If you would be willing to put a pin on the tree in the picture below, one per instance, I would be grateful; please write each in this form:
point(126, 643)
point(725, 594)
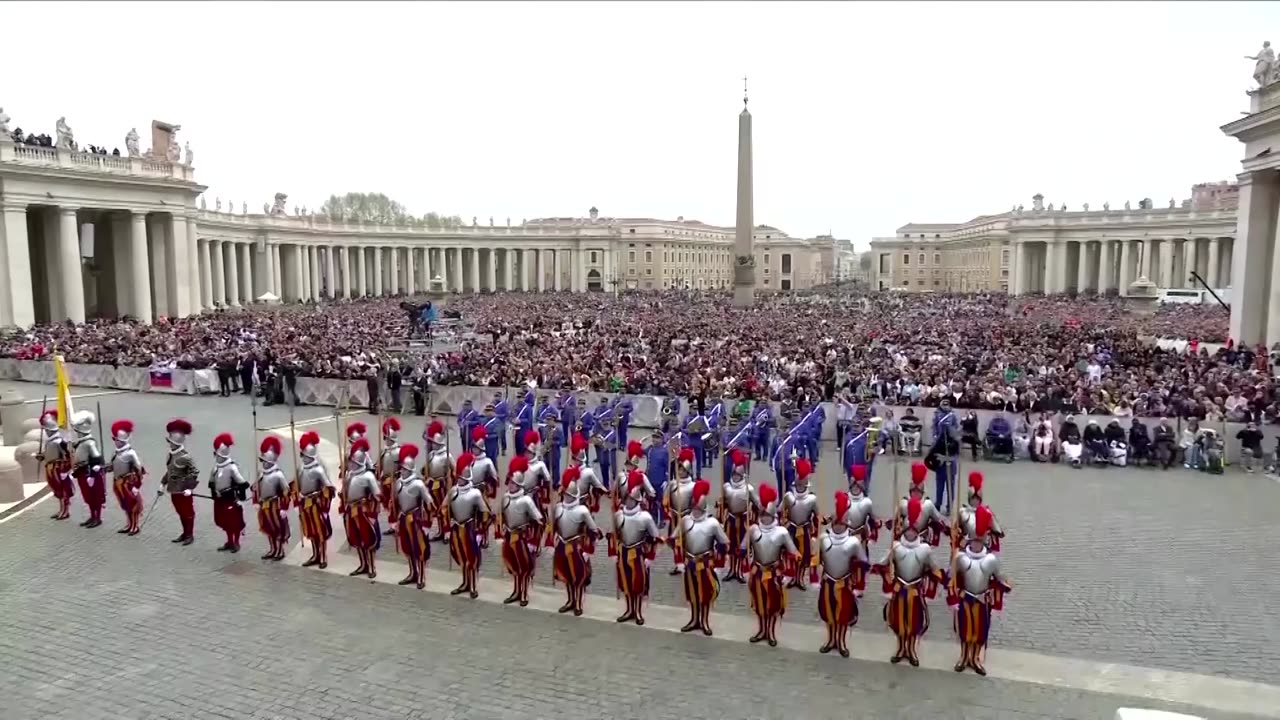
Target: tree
point(367, 207)
point(436, 220)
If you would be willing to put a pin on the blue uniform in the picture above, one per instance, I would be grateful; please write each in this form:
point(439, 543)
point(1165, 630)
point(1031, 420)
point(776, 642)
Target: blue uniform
point(813, 423)
point(945, 424)
point(568, 414)
point(624, 418)
point(467, 419)
point(694, 440)
point(784, 469)
point(715, 421)
point(502, 411)
point(552, 450)
point(492, 436)
point(602, 412)
point(607, 453)
point(855, 453)
point(657, 465)
point(524, 422)
point(762, 432)
point(672, 421)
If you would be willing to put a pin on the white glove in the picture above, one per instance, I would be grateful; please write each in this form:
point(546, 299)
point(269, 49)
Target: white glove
point(186, 493)
point(137, 492)
point(284, 514)
point(88, 480)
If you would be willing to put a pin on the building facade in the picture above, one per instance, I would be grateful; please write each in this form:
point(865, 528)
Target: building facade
point(1047, 250)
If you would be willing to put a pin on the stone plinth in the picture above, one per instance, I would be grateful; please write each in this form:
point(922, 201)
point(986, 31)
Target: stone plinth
point(12, 413)
point(10, 480)
point(35, 436)
point(25, 455)
point(1143, 295)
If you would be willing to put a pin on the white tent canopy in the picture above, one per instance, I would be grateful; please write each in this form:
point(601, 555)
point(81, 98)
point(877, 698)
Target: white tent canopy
point(268, 298)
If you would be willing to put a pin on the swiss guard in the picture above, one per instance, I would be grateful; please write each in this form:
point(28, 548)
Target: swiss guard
point(800, 508)
point(770, 545)
point(468, 517)
point(737, 500)
point(313, 494)
point(536, 478)
point(588, 482)
point(55, 453)
point(859, 519)
point(439, 474)
point(412, 516)
point(127, 472)
point(910, 578)
point(575, 533)
point(520, 528)
point(676, 504)
point(968, 524)
point(634, 537)
point(844, 571)
point(355, 431)
point(228, 488)
point(929, 523)
point(87, 467)
point(484, 474)
point(389, 469)
point(180, 478)
point(635, 451)
point(702, 542)
point(271, 495)
point(360, 509)
point(977, 588)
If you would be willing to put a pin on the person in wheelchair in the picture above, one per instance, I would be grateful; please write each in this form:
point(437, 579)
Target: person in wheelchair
point(1072, 444)
point(999, 440)
point(909, 428)
point(1164, 445)
point(1117, 443)
point(969, 433)
point(1210, 451)
point(1043, 446)
point(1095, 444)
point(1022, 438)
point(1140, 443)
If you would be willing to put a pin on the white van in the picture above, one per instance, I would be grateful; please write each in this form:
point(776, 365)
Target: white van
point(1182, 295)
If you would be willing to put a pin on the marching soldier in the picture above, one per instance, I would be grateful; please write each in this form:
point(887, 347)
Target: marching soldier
point(439, 474)
point(701, 540)
point(313, 494)
point(520, 529)
point(769, 545)
point(676, 503)
point(389, 470)
point(859, 518)
point(657, 466)
point(501, 411)
point(56, 456)
point(227, 487)
point(800, 508)
point(355, 431)
point(493, 431)
point(271, 495)
point(930, 524)
point(632, 541)
point(469, 519)
point(536, 480)
point(87, 467)
point(967, 518)
point(412, 515)
point(910, 578)
point(946, 453)
point(575, 536)
point(359, 507)
point(977, 589)
point(552, 440)
point(844, 565)
point(737, 499)
point(524, 423)
point(127, 471)
point(180, 478)
point(635, 451)
point(588, 482)
point(606, 452)
point(484, 474)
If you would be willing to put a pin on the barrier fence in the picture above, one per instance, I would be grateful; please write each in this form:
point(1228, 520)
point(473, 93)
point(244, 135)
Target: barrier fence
point(447, 399)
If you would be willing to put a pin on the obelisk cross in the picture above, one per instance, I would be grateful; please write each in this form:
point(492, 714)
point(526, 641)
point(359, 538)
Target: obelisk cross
point(744, 89)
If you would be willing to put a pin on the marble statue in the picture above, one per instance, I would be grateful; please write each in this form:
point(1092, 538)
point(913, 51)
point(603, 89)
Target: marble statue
point(1019, 208)
point(1037, 202)
point(203, 205)
point(279, 208)
point(4, 122)
point(1106, 207)
point(1171, 202)
point(1126, 204)
point(217, 205)
point(266, 209)
point(1086, 207)
point(508, 222)
point(304, 210)
point(244, 208)
point(1050, 207)
point(175, 150)
point(490, 221)
point(190, 156)
point(66, 138)
point(1264, 65)
point(131, 143)
point(1064, 207)
point(473, 221)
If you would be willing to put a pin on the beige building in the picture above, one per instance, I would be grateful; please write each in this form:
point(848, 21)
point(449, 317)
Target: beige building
point(655, 254)
point(1048, 250)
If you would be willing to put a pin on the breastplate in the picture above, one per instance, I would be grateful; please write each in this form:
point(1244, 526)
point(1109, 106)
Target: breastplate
point(802, 508)
point(682, 496)
point(390, 460)
point(737, 497)
point(570, 520)
point(360, 486)
point(517, 511)
point(975, 571)
point(52, 447)
point(438, 464)
point(272, 484)
point(224, 477)
point(768, 543)
point(634, 527)
point(589, 480)
point(124, 462)
point(410, 494)
point(699, 535)
point(839, 553)
point(483, 470)
point(313, 478)
point(85, 450)
point(927, 511)
point(463, 505)
point(911, 560)
point(859, 512)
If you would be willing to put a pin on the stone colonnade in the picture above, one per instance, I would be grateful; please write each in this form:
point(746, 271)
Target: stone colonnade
point(1105, 265)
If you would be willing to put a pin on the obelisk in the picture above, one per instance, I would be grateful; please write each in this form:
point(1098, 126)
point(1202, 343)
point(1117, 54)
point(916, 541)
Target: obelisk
point(744, 262)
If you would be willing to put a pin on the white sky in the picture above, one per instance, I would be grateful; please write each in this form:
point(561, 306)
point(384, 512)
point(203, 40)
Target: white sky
point(867, 116)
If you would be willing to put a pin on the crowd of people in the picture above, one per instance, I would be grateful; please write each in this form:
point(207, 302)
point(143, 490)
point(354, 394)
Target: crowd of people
point(1083, 355)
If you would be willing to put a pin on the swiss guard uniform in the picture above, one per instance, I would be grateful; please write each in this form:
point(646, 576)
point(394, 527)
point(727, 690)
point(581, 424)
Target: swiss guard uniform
point(520, 526)
point(536, 479)
point(977, 588)
point(910, 578)
point(439, 474)
point(271, 495)
point(227, 487)
point(702, 542)
point(588, 484)
point(800, 508)
point(676, 504)
point(55, 453)
point(930, 524)
point(737, 500)
point(635, 451)
point(127, 472)
point(632, 542)
point(468, 520)
point(389, 470)
point(575, 537)
point(844, 574)
point(360, 508)
point(355, 431)
point(88, 467)
point(180, 478)
point(313, 494)
point(484, 474)
point(412, 516)
point(770, 545)
point(859, 519)
point(968, 524)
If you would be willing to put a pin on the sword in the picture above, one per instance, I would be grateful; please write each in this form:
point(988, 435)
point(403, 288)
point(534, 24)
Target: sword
point(44, 407)
point(148, 515)
point(297, 471)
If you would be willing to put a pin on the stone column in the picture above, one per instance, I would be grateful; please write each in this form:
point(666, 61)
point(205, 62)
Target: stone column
point(1273, 296)
point(493, 269)
point(458, 284)
point(193, 264)
point(1212, 277)
point(233, 274)
point(1106, 267)
point(1166, 264)
point(269, 270)
point(122, 264)
point(1123, 276)
point(1082, 266)
point(525, 257)
point(331, 280)
point(216, 268)
point(362, 278)
point(540, 269)
point(313, 256)
point(426, 269)
point(377, 271)
point(206, 276)
point(1015, 269)
point(1148, 249)
point(69, 264)
point(1051, 268)
point(475, 271)
point(1188, 262)
point(508, 269)
point(178, 266)
point(580, 268)
point(410, 279)
point(15, 268)
point(139, 282)
point(393, 270)
point(344, 261)
point(555, 269)
point(246, 274)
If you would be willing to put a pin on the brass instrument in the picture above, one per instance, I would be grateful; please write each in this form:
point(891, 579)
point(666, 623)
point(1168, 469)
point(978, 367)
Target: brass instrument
point(873, 435)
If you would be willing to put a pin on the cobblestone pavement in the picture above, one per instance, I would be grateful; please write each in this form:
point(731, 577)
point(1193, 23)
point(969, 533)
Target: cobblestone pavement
point(1133, 566)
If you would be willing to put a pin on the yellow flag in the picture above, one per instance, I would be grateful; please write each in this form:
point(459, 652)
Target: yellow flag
point(64, 392)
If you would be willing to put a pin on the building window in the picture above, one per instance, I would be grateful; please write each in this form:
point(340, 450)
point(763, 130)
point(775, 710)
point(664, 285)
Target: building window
point(631, 256)
point(631, 271)
point(906, 283)
point(632, 231)
point(1004, 257)
point(936, 283)
point(592, 257)
point(786, 284)
point(786, 263)
point(648, 271)
point(921, 258)
point(884, 263)
point(937, 258)
point(920, 282)
point(648, 256)
point(766, 258)
point(766, 271)
point(766, 281)
point(906, 258)
point(631, 244)
point(1004, 273)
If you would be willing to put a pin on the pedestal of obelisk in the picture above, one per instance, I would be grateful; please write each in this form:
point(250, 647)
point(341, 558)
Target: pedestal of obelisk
point(744, 261)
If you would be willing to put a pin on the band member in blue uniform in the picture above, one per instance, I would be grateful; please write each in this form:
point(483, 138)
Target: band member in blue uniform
point(715, 423)
point(695, 430)
point(552, 443)
point(946, 449)
point(524, 421)
point(568, 413)
point(813, 423)
point(494, 430)
point(607, 449)
point(782, 456)
point(670, 414)
point(625, 408)
point(502, 411)
point(467, 419)
point(763, 424)
point(657, 465)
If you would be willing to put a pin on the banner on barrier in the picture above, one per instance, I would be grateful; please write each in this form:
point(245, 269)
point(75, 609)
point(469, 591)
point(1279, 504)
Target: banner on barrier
point(161, 377)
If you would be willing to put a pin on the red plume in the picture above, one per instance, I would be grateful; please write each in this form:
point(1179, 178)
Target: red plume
point(700, 490)
point(309, 438)
point(981, 521)
point(223, 439)
point(918, 473)
point(577, 444)
point(177, 425)
point(635, 449)
point(54, 415)
point(859, 472)
point(571, 474)
point(740, 459)
point(270, 444)
point(804, 468)
point(842, 502)
point(518, 463)
point(975, 482)
point(686, 455)
point(464, 462)
point(119, 426)
point(768, 494)
point(356, 428)
point(360, 445)
point(408, 451)
point(390, 424)
point(478, 434)
point(635, 479)
point(914, 507)
point(435, 428)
